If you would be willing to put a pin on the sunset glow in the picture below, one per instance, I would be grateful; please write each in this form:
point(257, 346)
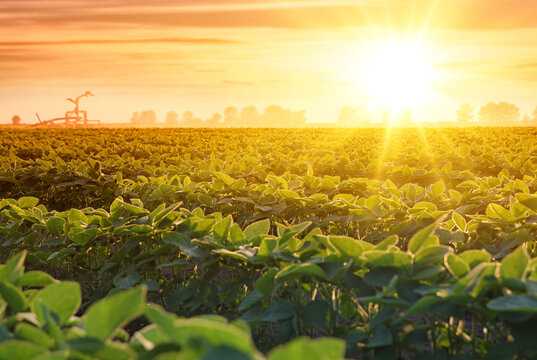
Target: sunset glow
point(311, 55)
point(398, 75)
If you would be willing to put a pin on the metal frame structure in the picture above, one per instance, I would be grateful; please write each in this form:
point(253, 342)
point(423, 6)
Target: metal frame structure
point(72, 117)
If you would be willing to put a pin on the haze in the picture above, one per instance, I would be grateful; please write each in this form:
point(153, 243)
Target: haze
point(205, 55)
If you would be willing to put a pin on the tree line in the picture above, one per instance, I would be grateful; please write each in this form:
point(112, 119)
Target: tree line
point(491, 113)
point(494, 113)
point(249, 116)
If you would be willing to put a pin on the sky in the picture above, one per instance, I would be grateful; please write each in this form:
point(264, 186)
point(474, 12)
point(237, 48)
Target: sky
point(204, 55)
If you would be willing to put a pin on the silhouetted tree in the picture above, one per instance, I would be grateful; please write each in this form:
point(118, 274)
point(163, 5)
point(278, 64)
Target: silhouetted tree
point(189, 120)
point(147, 117)
point(249, 116)
point(353, 116)
point(465, 113)
point(298, 118)
point(501, 112)
point(16, 120)
point(214, 121)
point(172, 118)
point(276, 116)
point(231, 116)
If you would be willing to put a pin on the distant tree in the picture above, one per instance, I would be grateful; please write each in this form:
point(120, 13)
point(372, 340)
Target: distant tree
point(188, 116)
point(526, 118)
point(16, 120)
point(189, 120)
point(172, 118)
point(465, 113)
point(405, 117)
point(249, 116)
point(534, 114)
point(353, 116)
point(346, 115)
point(276, 116)
point(497, 113)
point(231, 116)
point(214, 121)
point(147, 117)
point(298, 118)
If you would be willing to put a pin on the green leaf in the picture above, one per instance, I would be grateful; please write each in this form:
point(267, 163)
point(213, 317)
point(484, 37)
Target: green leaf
point(456, 266)
point(20, 350)
point(459, 221)
point(221, 228)
point(252, 298)
point(347, 246)
point(13, 270)
point(381, 337)
point(133, 209)
point(266, 248)
point(517, 303)
point(309, 172)
point(423, 238)
point(77, 215)
point(265, 284)
point(386, 243)
point(62, 298)
point(438, 188)
point(529, 201)
point(257, 229)
point(304, 348)
point(214, 331)
point(27, 202)
point(228, 180)
point(172, 264)
point(431, 254)
point(496, 211)
point(379, 258)
point(24, 331)
point(36, 278)
point(317, 313)
point(158, 316)
point(279, 310)
point(294, 271)
point(236, 234)
point(83, 236)
point(514, 265)
point(420, 305)
point(126, 282)
point(105, 316)
point(475, 257)
point(14, 297)
point(55, 225)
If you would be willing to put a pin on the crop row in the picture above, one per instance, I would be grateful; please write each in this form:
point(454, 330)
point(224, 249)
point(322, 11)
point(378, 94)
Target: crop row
point(88, 167)
point(39, 319)
point(389, 296)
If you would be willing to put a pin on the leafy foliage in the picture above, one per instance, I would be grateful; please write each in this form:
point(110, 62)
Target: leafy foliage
point(425, 252)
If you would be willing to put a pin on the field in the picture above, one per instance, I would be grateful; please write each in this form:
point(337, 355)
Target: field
point(268, 243)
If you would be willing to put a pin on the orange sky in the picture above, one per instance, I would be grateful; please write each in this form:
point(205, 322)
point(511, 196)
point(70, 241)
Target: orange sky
point(204, 55)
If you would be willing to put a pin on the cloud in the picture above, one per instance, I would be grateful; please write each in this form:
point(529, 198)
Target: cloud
point(120, 41)
point(396, 14)
point(234, 82)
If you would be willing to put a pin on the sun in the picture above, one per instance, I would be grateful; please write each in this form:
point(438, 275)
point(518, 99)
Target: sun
point(398, 75)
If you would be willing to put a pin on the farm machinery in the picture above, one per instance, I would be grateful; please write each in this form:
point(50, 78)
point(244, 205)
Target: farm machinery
point(73, 117)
